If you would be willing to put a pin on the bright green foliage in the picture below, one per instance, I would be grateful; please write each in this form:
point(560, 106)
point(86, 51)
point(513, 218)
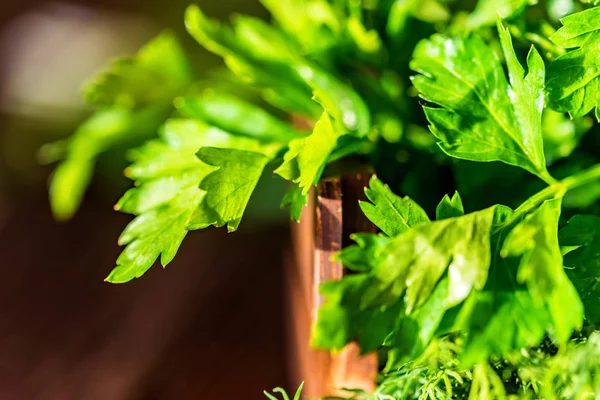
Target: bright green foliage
point(126, 82)
point(392, 214)
point(481, 117)
point(168, 175)
point(541, 267)
point(562, 134)
point(417, 259)
point(495, 303)
point(413, 332)
point(228, 189)
point(237, 116)
point(133, 97)
point(283, 393)
point(582, 262)
point(296, 201)
point(579, 29)
point(574, 374)
point(402, 10)
point(403, 280)
point(366, 255)
point(487, 11)
point(450, 207)
point(281, 68)
point(573, 80)
point(305, 160)
point(254, 62)
point(313, 22)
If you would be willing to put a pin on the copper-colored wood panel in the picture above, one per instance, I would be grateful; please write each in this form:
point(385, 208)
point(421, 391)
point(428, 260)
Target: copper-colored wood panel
point(332, 215)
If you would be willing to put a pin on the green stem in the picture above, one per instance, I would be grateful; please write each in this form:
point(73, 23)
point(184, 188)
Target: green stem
point(546, 177)
point(559, 188)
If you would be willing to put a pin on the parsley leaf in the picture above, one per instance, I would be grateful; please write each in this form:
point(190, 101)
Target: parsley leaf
point(418, 258)
point(481, 117)
point(168, 175)
point(412, 333)
point(135, 96)
point(486, 12)
point(392, 214)
point(228, 189)
point(313, 23)
point(541, 267)
point(306, 158)
point(450, 207)
point(275, 75)
point(503, 316)
point(527, 293)
point(342, 318)
point(295, 199)
point(158, 71)
point(236, 116)
point(447, 258)
point(573, 79)
point(583, 262)
point(366, 254)
point(292, 71)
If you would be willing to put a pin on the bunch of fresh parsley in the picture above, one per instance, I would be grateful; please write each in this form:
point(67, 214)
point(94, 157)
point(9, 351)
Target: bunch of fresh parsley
point(487, 294)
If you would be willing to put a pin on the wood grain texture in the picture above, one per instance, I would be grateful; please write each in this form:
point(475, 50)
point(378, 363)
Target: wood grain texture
point(336, 215)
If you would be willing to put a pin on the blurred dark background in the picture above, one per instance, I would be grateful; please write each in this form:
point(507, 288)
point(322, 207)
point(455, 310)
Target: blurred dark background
point(210, 326)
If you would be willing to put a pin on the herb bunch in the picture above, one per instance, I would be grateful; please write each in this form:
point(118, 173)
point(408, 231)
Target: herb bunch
point(490, 106)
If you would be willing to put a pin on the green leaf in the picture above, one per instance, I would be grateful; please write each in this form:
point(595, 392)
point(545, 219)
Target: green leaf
point(573, 79)
point(392, 214)
point(481, 117)
point(158, 231)
point(293, 73)
point(450, 207)
point(296, 200)
point(100, 132)
point(135, 95)
point(249, 58)
point(306, 158)
point(579, 29)
point(312, 23)
point(582, 231)
point(342, 319)
point(229, 187)
point(432, 11)
point(264, 40)
point(525, 297)
point(365, 255)
point(583, 263)
point(503, 316)
point(535, 239)
point(155, 74)
point(414, 332)
point(236, 116)
point(284, 394)
point(487, 12)
point(410, 281)
point(418, 258)
point(168, 175)
point(339, 100)
point(366, 40)
point(562, 135)
point(299, 392)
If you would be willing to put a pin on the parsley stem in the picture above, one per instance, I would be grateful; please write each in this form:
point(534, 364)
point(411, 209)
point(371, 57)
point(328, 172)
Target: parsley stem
point(558, 188)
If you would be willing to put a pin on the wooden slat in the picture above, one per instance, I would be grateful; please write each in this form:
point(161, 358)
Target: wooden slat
point(336, 215)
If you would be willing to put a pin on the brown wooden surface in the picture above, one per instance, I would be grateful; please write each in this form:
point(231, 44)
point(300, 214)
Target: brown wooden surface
point(336, 215)
point(208, 327)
